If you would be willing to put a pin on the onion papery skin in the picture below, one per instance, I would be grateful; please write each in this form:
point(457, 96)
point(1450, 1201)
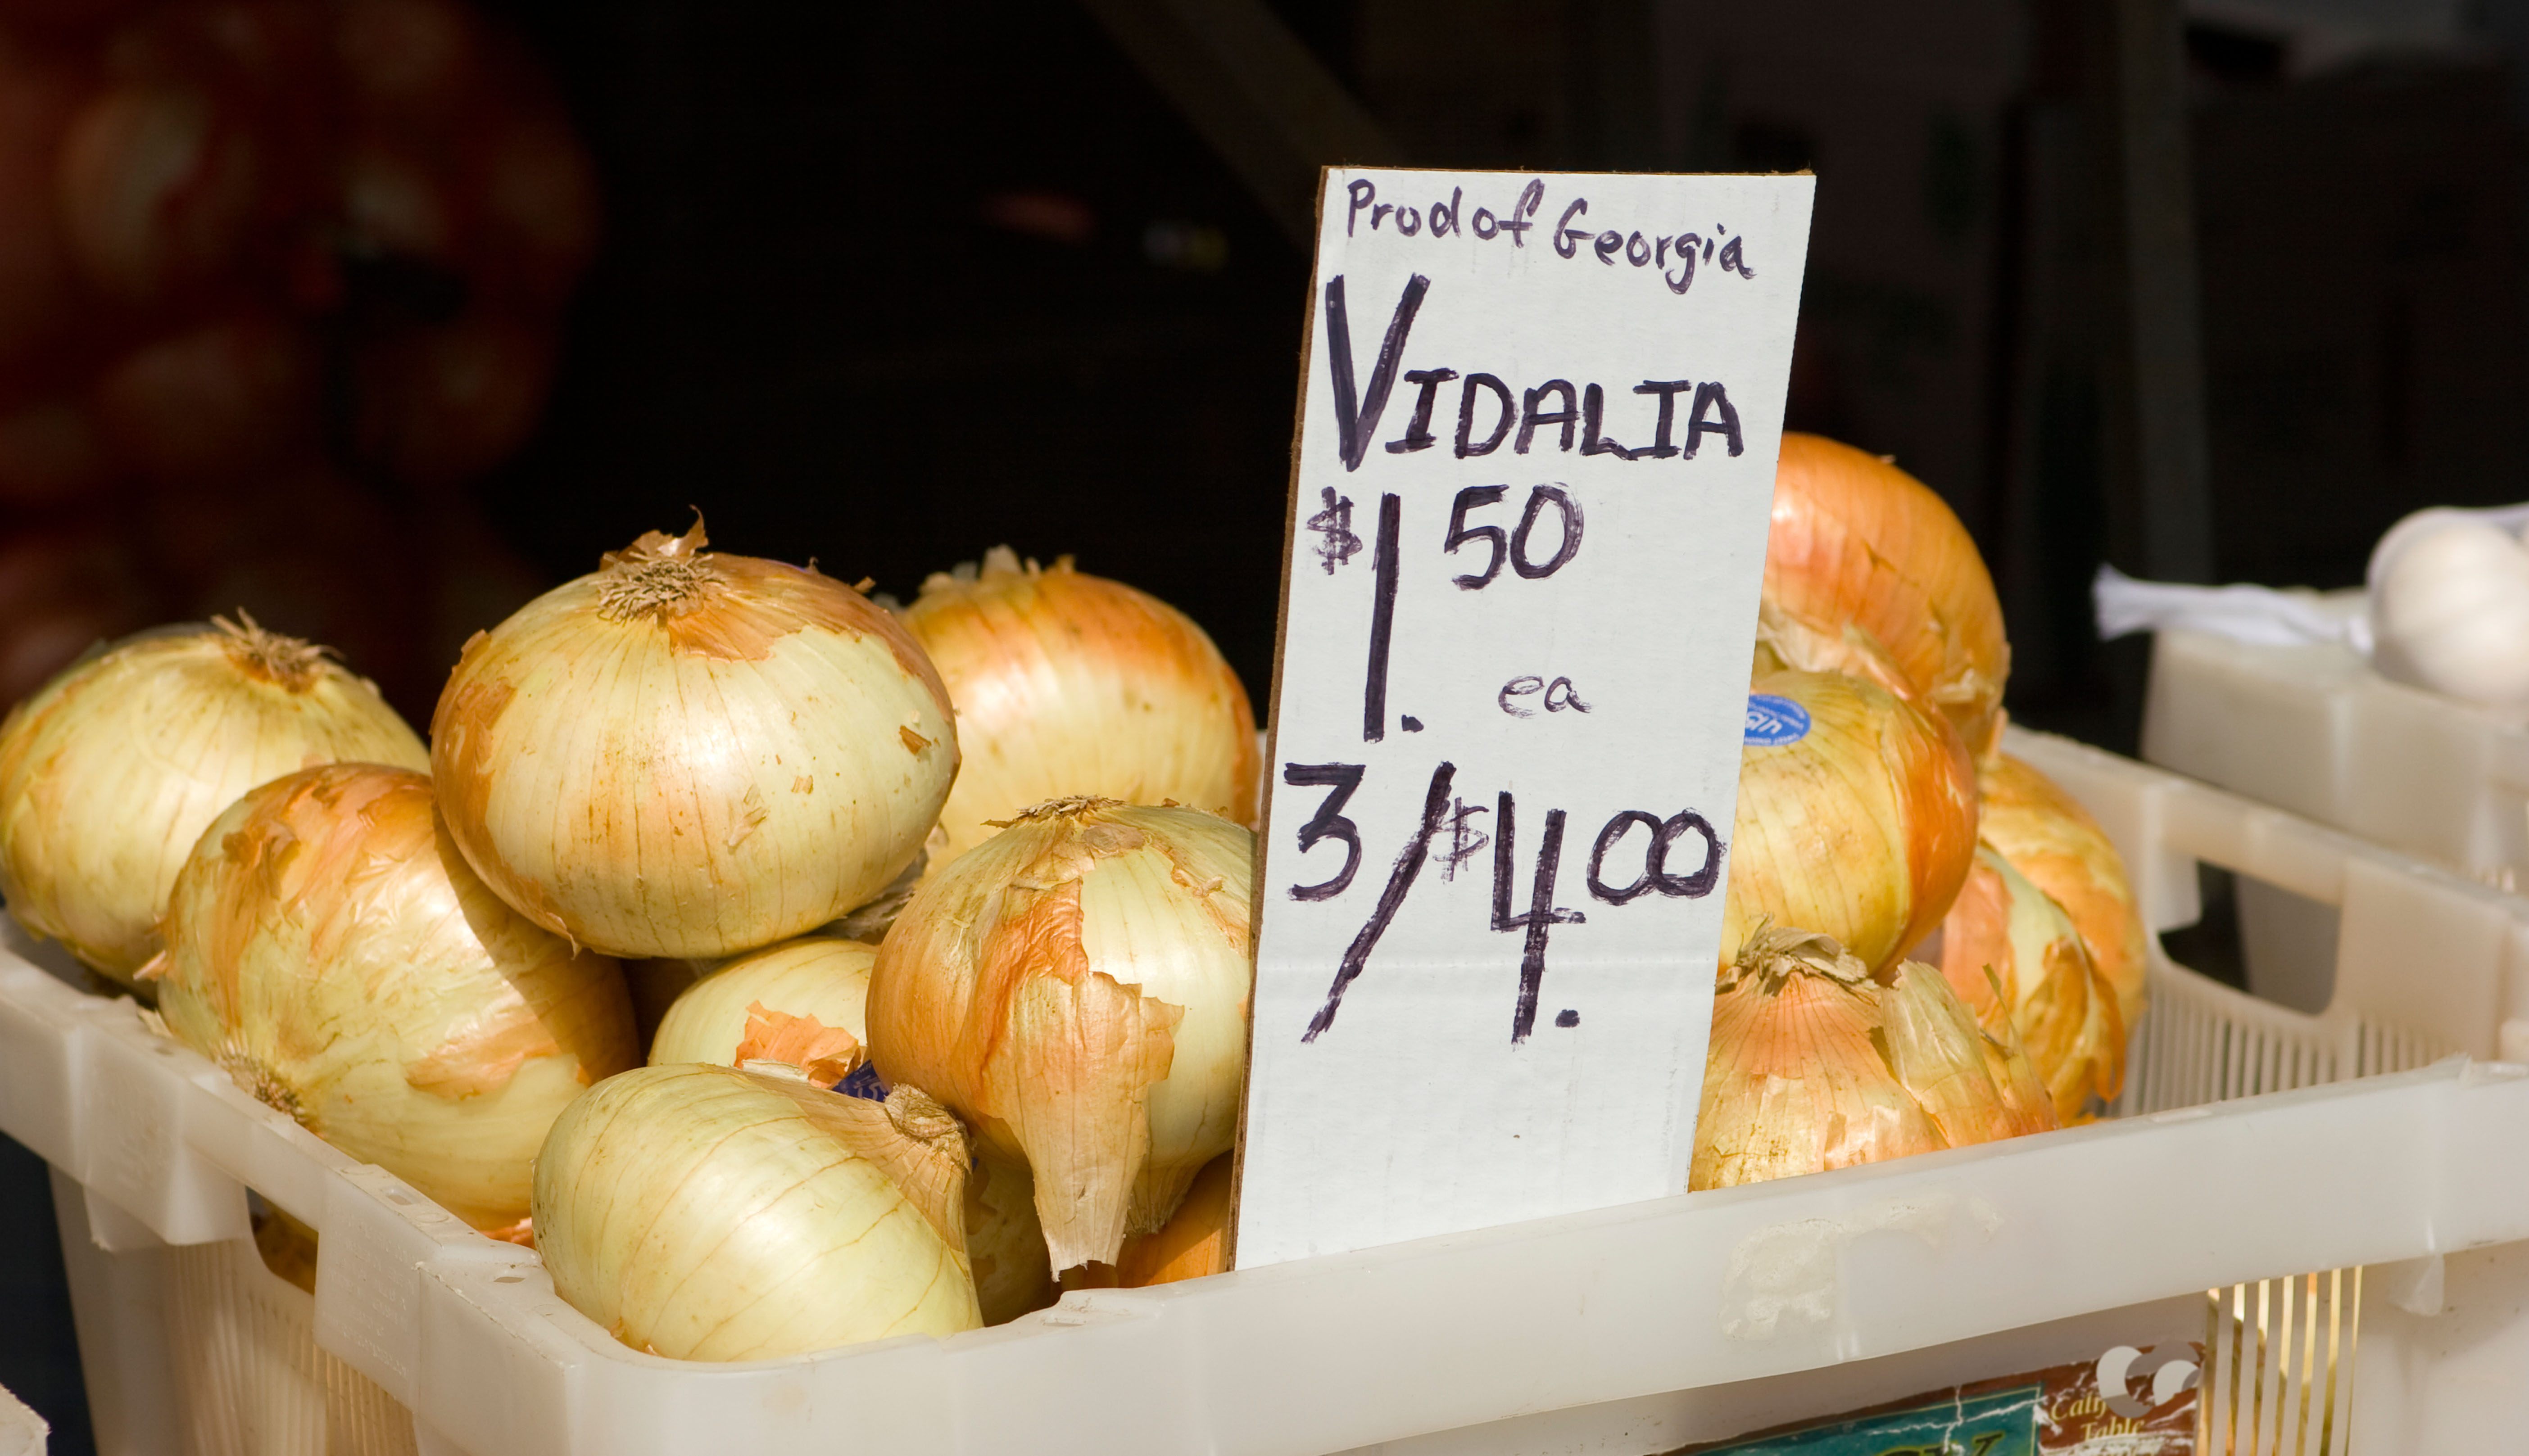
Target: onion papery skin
point(709, 1212)
point(2042, 985)
point(1193, 1243)
point(1864, 828)
point(1071, 684)
point(329, 949)
point(815, 978)
point(1856, 540)
point(688, 755)
point(1076, 988)
point(2047, 836)
point(111, 772)
point(1005, 1242)
point(1816, 1065)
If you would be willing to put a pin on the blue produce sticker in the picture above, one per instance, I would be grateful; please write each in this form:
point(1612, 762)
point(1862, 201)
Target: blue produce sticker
point(863, 1082)
point(1773, 722)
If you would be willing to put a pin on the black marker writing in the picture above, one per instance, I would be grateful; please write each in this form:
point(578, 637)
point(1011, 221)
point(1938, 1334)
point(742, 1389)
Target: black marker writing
point(1328, 823)
point(1655, 872)
point(1409, 863)
point(1382, 622)
point(1356, 413)
point(1334, 523)
point(1541, 917)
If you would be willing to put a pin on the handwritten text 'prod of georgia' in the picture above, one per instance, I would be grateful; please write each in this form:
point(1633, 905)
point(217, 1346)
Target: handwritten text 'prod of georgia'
point(1684, 250)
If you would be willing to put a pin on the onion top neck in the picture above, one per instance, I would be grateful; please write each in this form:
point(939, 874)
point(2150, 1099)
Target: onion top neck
point(286, 661)
point(659, 576)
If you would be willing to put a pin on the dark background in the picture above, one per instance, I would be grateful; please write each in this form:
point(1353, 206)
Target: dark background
point(885, 286)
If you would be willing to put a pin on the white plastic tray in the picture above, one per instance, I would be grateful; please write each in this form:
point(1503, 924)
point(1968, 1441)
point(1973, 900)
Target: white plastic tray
point(1630, 1330)
point(2315, 730)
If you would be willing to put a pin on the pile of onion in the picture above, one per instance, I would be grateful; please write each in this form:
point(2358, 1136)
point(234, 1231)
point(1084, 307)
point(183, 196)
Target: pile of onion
point(1076, 989)
point(329, 949)
point(1816, 1064)
point(707, 1213)
point(1857, 541)
point(1856, 816)
point(803, 1001)
point(2051, 840)
point(2022, 965)
point(109, 775)
point(691, 754)
point(1068, 684)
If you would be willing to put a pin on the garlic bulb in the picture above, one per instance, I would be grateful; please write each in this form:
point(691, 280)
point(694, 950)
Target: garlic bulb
point(2017, 961)
point(1856, 816)
point(2451, 612)
point(330, 950)
point(689, 754)
point(803, 1001)
point(1856, 540)
point(1005, 1242)
point(1190, 1245)
point(1076, 989)
point(2049, 837)
point(1816, 1064)
point(110, 772)
point(707, 1213)
point(1069, 684)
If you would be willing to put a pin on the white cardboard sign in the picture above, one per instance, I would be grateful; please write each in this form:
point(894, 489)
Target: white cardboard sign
point(1535, 464)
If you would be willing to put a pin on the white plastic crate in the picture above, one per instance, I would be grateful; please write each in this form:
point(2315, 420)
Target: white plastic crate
point(1625, 1330)
point(2316, 729)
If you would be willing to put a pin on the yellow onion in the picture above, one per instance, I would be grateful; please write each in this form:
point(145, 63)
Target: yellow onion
point(803, 1001)
point(2047, 836)
point(1856, 816)
point(1013, 1273)
point(689, 754)
point(1815, 1064)
point(328, 949)
point(2015, 957)
point(1856, 540)
point(707, 1213)
point(1069, 684)
point(1076, 989)
point(1190, 1245)
point(110, 772)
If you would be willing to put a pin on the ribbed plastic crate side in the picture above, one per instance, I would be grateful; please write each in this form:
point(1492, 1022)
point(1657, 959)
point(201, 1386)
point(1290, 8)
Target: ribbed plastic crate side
point(1625, 1303)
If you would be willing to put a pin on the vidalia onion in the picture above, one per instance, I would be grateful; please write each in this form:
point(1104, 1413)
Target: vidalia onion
point(689, 754)
point(1857, 541)
point(2047, 836)
point(803, 1001)
point(112, 771)
point(1076, 989)
point(2015, 959)
point(709, 1212)
point(1856, 816)
point(1069, 684)
point(328, 948)
point(1816, 1064)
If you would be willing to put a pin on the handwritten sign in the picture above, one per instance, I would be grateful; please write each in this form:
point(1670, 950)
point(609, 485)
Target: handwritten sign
point(1536, 458)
